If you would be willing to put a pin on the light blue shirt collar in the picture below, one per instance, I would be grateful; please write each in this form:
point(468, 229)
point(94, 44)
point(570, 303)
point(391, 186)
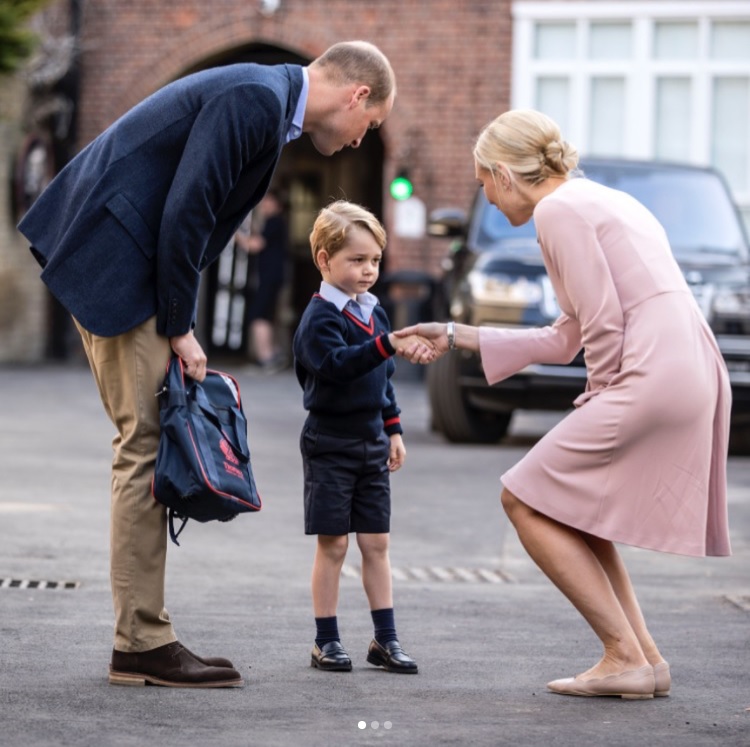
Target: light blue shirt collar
point(299, 113)
point(362, 307)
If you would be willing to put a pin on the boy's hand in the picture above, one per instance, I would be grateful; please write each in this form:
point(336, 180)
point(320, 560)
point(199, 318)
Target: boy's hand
point(398, 452)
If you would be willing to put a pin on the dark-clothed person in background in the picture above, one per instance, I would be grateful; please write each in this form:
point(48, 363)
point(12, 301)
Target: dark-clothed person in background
point(267, 250)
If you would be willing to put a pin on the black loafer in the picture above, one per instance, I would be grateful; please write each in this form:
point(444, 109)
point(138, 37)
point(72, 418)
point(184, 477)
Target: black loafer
point(332, 657)
point(169, 666)
point(391, 657)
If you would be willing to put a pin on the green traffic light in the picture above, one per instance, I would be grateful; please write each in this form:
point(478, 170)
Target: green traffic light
point(401, 188)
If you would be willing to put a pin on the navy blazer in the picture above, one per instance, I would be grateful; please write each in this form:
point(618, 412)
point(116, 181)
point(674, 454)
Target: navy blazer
point(124, 230)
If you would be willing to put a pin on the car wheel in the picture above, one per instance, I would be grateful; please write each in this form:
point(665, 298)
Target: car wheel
point(452, 415)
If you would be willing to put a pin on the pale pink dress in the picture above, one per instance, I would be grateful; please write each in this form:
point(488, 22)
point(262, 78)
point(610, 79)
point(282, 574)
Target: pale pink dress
point(642, 458)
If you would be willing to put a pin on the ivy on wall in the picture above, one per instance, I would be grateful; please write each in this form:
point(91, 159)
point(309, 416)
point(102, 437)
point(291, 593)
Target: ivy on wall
point(16, 40)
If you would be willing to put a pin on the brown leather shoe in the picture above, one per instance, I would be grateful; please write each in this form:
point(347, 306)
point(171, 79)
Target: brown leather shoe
point(169, 666)
point(211, 661)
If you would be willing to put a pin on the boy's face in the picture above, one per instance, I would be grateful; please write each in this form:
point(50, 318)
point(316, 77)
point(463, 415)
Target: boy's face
point(355, 268)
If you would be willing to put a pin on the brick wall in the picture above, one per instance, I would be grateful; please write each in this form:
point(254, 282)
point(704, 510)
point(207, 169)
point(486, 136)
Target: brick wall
point(452, 63)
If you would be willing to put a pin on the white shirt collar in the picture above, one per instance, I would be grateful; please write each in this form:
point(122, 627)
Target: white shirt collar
point(362, 306)
point(299, 113)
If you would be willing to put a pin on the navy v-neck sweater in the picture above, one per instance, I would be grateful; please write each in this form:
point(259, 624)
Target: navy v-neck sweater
point(344, 367)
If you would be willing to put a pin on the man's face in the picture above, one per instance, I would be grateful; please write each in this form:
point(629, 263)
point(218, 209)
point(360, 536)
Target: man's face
point(347, 126)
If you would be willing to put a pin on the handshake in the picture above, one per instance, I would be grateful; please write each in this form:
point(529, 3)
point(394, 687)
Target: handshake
point(421, 343)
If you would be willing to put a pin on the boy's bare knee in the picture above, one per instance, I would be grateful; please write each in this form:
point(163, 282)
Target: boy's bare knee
point(332, 546)
point(375, 544)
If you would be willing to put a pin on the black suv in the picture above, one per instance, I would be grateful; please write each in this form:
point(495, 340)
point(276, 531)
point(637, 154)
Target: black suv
point(494, 275)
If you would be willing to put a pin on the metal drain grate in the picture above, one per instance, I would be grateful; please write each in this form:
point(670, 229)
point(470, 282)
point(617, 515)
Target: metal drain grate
point(23, 583)
point(439, 574)
point(739, 601)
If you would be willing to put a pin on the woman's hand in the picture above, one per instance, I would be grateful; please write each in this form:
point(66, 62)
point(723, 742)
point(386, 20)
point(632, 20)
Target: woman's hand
point(414, 348)
point(432, 334)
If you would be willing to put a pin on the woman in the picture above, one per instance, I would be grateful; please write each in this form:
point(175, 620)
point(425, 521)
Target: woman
point(641, 459)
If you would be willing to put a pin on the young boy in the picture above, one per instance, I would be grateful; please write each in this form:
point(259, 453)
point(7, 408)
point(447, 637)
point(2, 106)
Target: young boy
point(352, 436)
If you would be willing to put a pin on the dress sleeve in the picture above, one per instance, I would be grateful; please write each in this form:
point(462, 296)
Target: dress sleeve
point(507, 351)
point(582, 279)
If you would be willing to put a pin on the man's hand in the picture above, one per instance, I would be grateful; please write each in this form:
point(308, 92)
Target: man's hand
point(192, 355)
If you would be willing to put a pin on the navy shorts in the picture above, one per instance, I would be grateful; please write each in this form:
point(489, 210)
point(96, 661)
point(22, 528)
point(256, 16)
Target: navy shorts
point(347, 484)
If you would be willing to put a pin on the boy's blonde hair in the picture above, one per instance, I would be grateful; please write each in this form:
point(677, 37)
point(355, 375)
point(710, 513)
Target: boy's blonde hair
point(334, 224)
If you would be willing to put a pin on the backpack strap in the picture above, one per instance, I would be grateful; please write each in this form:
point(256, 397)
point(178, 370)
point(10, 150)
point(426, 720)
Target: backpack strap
point(174, 535)
point(238, 444)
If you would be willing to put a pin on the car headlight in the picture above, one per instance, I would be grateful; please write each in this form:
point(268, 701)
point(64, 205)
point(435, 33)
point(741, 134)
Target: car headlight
point(503, 289)
point(731, 302)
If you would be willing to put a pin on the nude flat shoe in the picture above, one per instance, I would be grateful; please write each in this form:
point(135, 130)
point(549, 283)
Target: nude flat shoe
point(635, 684)
point(663, 679)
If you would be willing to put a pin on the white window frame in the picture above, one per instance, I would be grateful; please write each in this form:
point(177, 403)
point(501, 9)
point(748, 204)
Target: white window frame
point(640, 72)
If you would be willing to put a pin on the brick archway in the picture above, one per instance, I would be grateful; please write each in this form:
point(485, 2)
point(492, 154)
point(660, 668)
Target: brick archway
point(192, 48)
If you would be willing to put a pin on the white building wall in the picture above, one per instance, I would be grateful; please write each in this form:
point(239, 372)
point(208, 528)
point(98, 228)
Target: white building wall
point(667, 80)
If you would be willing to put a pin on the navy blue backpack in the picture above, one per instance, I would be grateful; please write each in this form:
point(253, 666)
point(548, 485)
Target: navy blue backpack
point(203, 469)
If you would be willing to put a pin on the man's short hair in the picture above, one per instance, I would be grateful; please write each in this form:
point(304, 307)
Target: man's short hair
point(359, 62)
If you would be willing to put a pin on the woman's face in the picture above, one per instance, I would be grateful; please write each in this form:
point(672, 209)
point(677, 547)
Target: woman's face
point(504, 195)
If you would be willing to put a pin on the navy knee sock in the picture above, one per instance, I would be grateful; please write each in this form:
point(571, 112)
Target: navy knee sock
point(385, 625)
point(328, 630)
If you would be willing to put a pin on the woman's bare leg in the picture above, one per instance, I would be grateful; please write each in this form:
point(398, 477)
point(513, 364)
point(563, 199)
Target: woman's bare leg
point(565, 557)
point(619, 578)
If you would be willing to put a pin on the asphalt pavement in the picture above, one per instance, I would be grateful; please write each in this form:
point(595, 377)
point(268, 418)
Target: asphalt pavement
point(487, 629)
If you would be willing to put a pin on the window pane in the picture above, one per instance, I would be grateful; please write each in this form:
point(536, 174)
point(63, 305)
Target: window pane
point(675, 41)
point(730, 41)
point(553, 98)
point(610, 41)
point(555, 41)
point(607, 116)
point(672, 141)
point(729, 135)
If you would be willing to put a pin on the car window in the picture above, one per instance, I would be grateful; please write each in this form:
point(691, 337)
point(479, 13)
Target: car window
point(693, 206)
point(494, 226)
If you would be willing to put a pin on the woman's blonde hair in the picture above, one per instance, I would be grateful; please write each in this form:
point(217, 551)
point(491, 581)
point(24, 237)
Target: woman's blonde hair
point(334, 225)
point(529, 143)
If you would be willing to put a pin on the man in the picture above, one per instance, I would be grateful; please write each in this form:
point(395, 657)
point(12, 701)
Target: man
point(123, 233)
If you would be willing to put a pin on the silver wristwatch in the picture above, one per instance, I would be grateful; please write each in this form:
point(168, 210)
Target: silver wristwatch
point(450, 330)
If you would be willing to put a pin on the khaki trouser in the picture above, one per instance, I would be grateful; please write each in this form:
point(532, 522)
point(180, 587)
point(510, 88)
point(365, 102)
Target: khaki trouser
point(128, 370)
